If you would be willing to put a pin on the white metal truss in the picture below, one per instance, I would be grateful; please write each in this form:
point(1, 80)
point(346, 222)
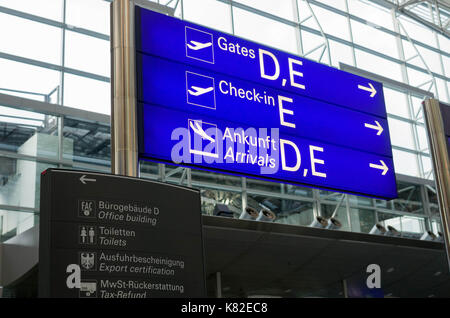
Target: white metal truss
point(324, 47)
point(429, 84)
point(433, 13)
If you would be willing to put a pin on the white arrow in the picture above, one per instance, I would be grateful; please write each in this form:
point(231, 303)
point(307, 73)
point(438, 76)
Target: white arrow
point(369, 89)
point(376, 127)
point(84, 179)
point(381, 167)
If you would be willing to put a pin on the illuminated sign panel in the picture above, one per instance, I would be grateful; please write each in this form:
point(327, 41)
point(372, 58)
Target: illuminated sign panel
point(212, 100)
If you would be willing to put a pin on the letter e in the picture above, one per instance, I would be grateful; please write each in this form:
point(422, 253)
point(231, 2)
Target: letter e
point(293, 73)
point(314, 161)
point(285, 111)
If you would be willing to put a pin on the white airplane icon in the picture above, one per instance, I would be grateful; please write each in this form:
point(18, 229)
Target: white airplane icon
point(198, 45)
point(196, 91)
point(199, 130)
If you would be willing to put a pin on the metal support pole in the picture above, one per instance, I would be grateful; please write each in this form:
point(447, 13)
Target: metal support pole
point(219, 285)
point(438, 150)
point(338, 206)
point(344, 288)
point(244, 193)
point(60, 139)
point(123, 90)
point(189, 177)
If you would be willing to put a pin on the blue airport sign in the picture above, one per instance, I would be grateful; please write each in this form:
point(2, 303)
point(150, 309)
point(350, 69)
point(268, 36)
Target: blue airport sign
point(211, 100)
point(191, 44)
point(203, 92)
point(277, 157)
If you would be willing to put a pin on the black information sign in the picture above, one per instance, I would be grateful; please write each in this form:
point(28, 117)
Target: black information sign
point(110, 236)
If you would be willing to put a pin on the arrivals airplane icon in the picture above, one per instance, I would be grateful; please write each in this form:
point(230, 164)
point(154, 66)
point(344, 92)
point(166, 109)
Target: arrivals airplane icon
point(198, 45)
point(196, 91)
point(199, 130)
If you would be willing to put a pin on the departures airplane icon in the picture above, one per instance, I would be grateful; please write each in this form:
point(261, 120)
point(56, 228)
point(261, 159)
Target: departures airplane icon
point(196, 91)
point(198, 45)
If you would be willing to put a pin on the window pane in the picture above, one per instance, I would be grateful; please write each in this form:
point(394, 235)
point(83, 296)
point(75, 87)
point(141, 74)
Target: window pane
point(356, 200)
point(21, 183)
point(374, 39)
point(401, 133)
point(283, 9)
point(371, 12)
point(390, 219)
point(417, 78)
point(417, 31)
point(383, 204)
point(412, 225)
point(88, 14)
point(442, 90)
point(427, 167)
point(214, 178)
point(209, 13)
point(16, 127)
point(431, 58)
point(28, 78)
point(256, 184)
point(222, 203)
point(330, 195)
point(327, 211)
point(340, 53)
point(30, 39)
point(444, 43)
point(405, 163)
point(436, 227)
point(28, 133)
point(446, 61)
point(286, 211)
point(294, 212)
point(148, 169)
point(338, 4)
point(409, 51)
point(50, 9)
point(396, 102)
point(409, 198)
point(264, 30)
point(310, 42)
point(422, 137)
point(88, 94)
point(362, 220)
point(299, 191)
point(87, 54)
point(432, 195)
point(417, 108)
point(378, 65)
point(13, 223)
point(331, 23)
point(90, 141)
